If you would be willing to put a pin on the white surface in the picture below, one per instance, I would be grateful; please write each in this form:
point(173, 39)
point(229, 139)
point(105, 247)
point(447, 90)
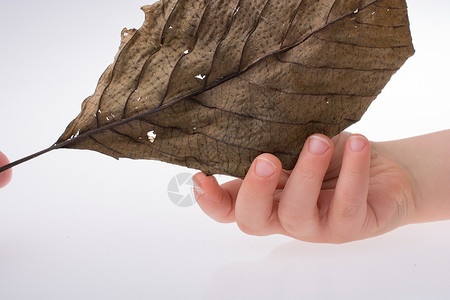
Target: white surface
point(80, 225)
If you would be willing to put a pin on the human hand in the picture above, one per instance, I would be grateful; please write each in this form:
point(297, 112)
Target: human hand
point(5, 177)
point(340, 190)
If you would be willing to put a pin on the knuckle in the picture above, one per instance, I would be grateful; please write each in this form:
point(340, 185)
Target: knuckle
point(354, 173)
point(350, 204)
point(288, 224)
point(349, 211)
point(307, 173)
point(294, 225)
point(346, 212)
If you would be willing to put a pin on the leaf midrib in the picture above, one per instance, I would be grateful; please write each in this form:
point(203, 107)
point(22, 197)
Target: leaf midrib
point(67, 143)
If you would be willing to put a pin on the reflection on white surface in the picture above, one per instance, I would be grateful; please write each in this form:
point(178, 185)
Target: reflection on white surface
point(376, 269)
point(80, 225)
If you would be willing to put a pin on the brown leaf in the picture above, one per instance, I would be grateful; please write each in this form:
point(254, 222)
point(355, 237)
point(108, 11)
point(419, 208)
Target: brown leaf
point(212, 84)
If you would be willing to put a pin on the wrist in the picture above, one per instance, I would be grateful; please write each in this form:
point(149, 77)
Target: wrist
point(426, 162)
point(402, 187)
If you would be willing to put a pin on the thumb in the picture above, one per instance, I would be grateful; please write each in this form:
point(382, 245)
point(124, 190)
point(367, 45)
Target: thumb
point(255, 202)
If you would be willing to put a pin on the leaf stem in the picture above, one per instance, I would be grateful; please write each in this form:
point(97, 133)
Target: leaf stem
point(37, 154)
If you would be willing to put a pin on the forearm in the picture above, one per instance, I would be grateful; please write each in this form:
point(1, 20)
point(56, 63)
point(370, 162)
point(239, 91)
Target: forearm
point(426, 160)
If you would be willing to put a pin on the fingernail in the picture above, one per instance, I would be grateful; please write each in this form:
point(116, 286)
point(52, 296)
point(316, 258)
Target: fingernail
point(318, 145)
point(357, 143)
point(264, 167)
point(198, 191)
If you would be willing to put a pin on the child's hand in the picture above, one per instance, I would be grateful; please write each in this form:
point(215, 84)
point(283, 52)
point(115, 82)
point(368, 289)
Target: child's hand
point(339, 191)
point(5, 176)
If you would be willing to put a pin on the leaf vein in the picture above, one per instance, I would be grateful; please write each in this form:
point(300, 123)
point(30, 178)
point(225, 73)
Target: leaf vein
point(335, 68)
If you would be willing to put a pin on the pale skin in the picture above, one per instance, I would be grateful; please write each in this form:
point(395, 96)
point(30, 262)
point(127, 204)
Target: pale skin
point(340, 190)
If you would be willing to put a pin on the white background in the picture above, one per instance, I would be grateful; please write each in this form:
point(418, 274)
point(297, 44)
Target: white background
point(80, 225)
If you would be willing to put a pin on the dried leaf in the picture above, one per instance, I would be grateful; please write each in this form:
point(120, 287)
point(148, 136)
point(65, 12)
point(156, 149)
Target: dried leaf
point(212, 84)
